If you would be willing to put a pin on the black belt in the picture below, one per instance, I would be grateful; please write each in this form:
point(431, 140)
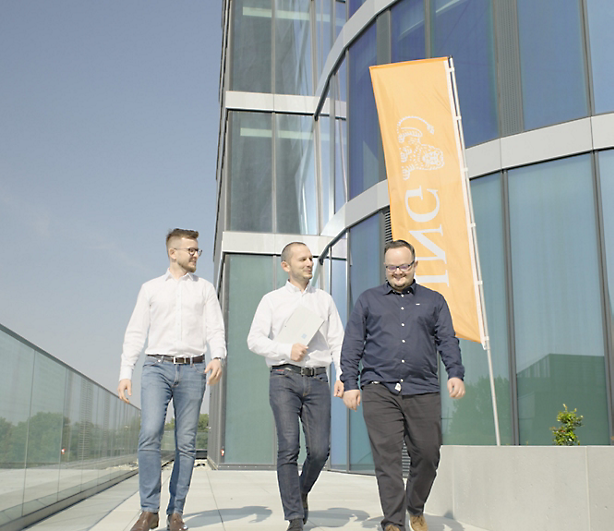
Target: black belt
point(303, 371)
point(179, 360)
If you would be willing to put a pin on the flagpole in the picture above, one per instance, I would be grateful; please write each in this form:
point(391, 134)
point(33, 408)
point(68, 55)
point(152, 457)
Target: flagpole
point(475, 257)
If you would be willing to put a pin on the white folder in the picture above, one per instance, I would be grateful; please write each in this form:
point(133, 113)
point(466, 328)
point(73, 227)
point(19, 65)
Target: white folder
point(300, 327)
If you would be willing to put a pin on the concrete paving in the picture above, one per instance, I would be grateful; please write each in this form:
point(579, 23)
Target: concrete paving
point(239, 500)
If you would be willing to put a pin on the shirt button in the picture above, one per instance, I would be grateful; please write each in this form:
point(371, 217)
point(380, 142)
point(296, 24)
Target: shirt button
point(402, 324)
point(401, 380)
point(402, 295)
point(402, 361)
point(402, 341)
point(402, 308)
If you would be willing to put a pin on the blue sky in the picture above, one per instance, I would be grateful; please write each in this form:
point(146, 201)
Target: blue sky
point(109, 117)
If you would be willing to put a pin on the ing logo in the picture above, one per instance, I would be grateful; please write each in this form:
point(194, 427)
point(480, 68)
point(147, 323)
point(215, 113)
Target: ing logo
point(414, 154)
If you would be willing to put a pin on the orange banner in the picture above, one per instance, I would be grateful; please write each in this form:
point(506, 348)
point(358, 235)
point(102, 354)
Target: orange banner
point(429, 202)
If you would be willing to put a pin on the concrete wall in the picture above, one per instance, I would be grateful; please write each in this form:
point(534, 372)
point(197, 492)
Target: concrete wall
point(543, 488)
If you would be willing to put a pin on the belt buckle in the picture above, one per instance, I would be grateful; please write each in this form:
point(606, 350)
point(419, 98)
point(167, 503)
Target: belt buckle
point(307, 371)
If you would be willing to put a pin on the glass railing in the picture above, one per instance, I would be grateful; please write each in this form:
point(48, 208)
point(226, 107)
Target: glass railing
point(61, 434)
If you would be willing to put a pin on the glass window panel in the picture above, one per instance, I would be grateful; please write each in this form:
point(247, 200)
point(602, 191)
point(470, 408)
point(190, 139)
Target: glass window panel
point(295, 185)
point(251, 45)
point(250, 171)
point(247, 373)
point(464, 29)
point(365, 272)
point(606, 170)
point(364, 141)
point(600, 24)
point(70, 471)
point(44, 433)
point(339, 413)
point(339, 110)
point(327, 170)
point(293, 73)
point(408, 40)
point(557, 299)
point(324, 31)
point(470, 420)
point(15, 396)
point(551, 59)
point(340, 16)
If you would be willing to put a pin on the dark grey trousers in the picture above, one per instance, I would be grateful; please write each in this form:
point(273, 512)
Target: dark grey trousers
point(390, 419)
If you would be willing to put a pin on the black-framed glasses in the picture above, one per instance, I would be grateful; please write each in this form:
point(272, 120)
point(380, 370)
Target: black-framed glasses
point(190, 250)
point(403, 267)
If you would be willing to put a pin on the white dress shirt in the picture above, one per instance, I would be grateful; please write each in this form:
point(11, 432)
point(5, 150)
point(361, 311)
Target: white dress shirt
point(275, 309)
point(178, 316)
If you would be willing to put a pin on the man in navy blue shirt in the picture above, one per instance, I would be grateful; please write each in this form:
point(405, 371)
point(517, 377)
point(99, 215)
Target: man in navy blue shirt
point(396, 330)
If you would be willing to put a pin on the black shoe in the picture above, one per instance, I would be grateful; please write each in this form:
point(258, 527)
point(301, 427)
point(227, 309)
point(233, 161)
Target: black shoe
point(295, 525)
point(305, 506)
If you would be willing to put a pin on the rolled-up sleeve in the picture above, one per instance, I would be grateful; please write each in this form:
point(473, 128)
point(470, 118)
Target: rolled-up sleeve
point(214, 324)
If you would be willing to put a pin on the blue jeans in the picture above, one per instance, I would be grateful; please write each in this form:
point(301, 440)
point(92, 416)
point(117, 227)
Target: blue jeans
point(185, 384)
point(293, 396)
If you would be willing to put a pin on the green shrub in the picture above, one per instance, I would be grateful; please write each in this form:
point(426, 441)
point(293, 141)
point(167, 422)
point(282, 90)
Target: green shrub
point(565, 434)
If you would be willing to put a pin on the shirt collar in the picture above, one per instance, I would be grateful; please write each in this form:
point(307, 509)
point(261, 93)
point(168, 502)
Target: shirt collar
point(294, 289)
point(388, 288)
point(187, 276)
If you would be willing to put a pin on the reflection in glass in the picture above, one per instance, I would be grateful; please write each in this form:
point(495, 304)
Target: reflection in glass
point(557, 299)
point(551, 57)
point(292, 47)
point(600, 24)
point(251, 45)
point(353, 5)
point(464, 30)
point(470, 420)
point(408, 40)
point(364, 141)
point(340, 16)
point(295, 185)
point(249, 423)
point(250, 170)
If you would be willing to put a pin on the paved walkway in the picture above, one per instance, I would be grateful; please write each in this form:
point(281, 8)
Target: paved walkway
point(239, 500)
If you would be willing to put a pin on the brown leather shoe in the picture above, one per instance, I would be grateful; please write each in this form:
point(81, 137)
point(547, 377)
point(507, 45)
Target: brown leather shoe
point(175, 523)
point(392, 527)
point(146, 522)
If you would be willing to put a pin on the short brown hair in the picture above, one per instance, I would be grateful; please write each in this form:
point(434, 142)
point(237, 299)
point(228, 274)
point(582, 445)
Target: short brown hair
point(181, 233)
point(395, 244)
point(286, 252)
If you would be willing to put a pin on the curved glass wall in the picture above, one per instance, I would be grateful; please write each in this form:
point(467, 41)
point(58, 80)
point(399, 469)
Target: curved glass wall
point(60, 433)
point(408, 41)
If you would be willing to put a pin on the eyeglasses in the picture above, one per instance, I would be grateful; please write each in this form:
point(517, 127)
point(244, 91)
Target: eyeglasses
point(403, 267)
point(191, 250)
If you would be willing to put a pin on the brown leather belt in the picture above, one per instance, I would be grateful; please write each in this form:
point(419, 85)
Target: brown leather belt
point(178, 360)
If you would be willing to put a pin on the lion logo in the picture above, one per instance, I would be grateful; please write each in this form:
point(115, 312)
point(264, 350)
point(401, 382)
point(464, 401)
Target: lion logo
point(414, 154)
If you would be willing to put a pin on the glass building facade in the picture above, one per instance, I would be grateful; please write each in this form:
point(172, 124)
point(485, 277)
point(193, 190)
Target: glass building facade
point(300, 158)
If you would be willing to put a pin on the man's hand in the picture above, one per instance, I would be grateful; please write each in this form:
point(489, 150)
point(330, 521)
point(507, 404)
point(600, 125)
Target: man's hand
point(338, 390)
point(456, 388)
point(215, 368)
point(124, 385)
point(351, 399)
point(298, 352)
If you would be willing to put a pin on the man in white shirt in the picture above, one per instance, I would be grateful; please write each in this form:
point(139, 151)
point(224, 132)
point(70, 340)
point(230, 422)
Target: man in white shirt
point(177, 315)
point(299, 383)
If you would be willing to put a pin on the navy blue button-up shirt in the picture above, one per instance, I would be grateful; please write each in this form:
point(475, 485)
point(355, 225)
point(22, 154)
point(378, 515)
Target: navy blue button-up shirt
point(397, 337)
